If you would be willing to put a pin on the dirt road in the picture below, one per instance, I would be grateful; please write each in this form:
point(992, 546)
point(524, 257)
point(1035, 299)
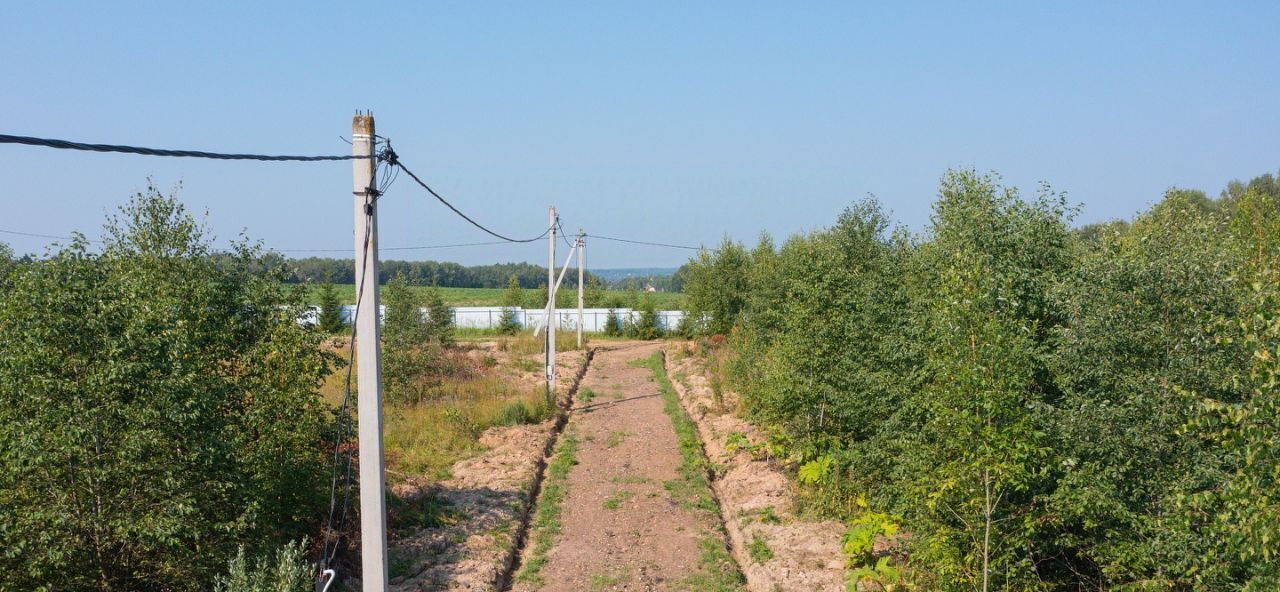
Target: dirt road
point(629, 514)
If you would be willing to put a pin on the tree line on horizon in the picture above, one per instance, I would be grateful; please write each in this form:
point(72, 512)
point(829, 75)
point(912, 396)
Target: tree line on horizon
point(443, 274)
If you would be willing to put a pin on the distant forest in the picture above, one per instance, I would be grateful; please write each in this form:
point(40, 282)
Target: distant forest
point(662, 283)
point(426, 273)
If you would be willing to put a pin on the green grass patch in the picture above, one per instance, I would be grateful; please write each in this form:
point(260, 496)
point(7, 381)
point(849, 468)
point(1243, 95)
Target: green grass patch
point(766, 515)
point(691, 490)
point(586, 395)
point(600, 582)
point(759, 549)
point(718, 571)
point(616, 439)
point(546, 518)
point(616, 500)
point(629, 479)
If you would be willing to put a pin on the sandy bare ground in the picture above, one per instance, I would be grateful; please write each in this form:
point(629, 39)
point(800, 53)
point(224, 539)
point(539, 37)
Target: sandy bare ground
point(621, 528)
point(756, 496)
point(487, 498)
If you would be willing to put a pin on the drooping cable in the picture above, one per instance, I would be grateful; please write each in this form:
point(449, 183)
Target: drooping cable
point(413, 248)
point(32, 234)
point(652, 244)
point(394, 161)
point(69, 145)
point(563, 234)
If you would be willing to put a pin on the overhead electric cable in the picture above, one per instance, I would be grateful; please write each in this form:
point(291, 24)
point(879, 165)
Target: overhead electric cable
point(408, 248)
point(390, 157)
point(637, 242)
point(68, 145)
point(416, 248)
point(53, 236)
point(563, 234)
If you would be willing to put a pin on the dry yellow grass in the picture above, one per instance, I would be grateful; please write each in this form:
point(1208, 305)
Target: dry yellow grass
point(425, 439)
point(525, 343)
point(428, 437)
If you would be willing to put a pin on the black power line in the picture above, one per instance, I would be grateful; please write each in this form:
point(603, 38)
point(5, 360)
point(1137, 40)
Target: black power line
point(564, 234)
point(410, 248)
point(53, 236)
point(390, 157)
point(416, 248)
point(637, 242)
point(68, 145)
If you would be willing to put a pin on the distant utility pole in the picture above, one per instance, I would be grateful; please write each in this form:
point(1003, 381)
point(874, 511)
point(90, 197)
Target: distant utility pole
point(373, 510)
point(551, 309)
point(582, 248)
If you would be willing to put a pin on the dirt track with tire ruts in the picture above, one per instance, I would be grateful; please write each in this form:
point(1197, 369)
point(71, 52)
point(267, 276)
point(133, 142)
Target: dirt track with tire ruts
point(621, 527)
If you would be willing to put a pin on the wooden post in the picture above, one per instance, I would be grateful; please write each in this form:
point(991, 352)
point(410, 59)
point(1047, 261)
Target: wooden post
point(373, 511)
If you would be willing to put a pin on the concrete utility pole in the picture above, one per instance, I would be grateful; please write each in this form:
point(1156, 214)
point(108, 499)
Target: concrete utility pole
point(551, 309)
point(582, 248)
point(373, 510)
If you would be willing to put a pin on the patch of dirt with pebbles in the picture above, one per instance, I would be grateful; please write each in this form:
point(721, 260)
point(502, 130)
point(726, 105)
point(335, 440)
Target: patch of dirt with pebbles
point(757, 497)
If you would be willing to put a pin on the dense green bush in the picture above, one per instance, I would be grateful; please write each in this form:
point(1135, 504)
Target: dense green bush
point(1039, 408)
point(7, 266)
point(715, 287)
point(158, 410)
point(287, 571)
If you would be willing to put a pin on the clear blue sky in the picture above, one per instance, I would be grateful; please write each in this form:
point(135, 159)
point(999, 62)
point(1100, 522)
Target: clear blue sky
point(674, 122)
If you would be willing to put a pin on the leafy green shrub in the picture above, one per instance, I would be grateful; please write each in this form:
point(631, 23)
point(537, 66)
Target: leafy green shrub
point(859, 543)
point(1241, 516)
point(288, 571)
point(715, 287)
point(736, 441)
point(158, 409)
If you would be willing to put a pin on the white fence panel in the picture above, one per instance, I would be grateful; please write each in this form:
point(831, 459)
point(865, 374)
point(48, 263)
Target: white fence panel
point(489, 317)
